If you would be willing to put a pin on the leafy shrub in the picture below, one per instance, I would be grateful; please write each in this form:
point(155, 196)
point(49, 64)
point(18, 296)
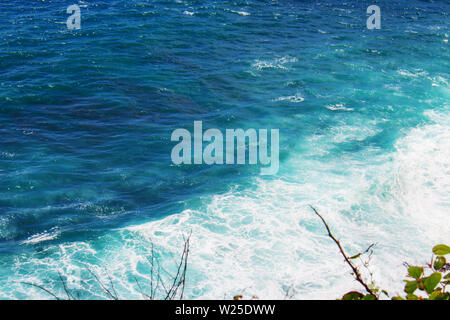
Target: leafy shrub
point(423, 283)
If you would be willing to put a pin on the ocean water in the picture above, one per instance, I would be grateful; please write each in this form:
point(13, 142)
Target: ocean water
point(86, 118)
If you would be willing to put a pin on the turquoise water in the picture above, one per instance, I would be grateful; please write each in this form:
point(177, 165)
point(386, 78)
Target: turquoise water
point(86, 118)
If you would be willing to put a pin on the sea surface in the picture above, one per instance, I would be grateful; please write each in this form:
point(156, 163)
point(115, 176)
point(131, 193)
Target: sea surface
point(86, 116)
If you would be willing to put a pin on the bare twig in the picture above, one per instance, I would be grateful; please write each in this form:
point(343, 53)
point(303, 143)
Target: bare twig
point(187, 245)
point(152, 293)
point(289, 293)
point(42, 288)
point(179, 279)
point(69, 295)
point(370, 248)
point(356, 272)
point(145, 296)
point(112, 284)
point(107, 291)
point(163, 284)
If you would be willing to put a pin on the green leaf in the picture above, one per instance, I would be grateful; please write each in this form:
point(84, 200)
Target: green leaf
point(369, 297)
point(355, 256)
point(397, 298)
point(353, 295)
point(432, 281)
point(411, 296)
point(443, 296)
point(441, 250)
point(447, 276)
point(434, 295)
point(410, 286)
point(439, 262)
point(415, 272)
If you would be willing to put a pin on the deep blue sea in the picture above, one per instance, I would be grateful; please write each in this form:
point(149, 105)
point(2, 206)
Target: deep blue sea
point(86, 116)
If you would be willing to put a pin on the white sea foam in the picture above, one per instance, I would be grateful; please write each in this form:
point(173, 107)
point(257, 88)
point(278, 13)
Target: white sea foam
point(338, 107)
point(279, 63)
point(344, 133)
point(423, 175)
point(242, 13)
point(413, 74)
point(295, 98)
point(263, 240)
point(8, 155)
point(439, 81)
point(45, 236)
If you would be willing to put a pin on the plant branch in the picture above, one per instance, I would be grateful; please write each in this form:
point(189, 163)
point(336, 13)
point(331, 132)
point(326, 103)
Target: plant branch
point(42, 288)
point(347, 260)
point(105, 289)
point(69, 295)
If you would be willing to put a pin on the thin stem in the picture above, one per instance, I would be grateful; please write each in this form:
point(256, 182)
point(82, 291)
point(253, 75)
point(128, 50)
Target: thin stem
point(354, 268)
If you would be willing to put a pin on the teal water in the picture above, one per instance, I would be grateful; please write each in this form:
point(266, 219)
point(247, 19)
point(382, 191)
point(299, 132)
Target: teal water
point(86, 118)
